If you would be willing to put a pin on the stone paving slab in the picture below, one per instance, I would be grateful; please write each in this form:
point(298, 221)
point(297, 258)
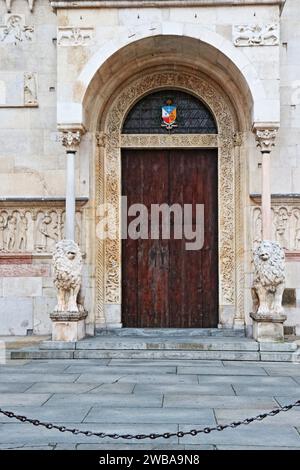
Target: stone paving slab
point(126, 400)
point(263, 390)
point(14, 387)
point(291, 417)
point(26, 434)
point(221, 370)
point(38, 377)
point(286, 370)
point(251, 435)
point(207, 389)
point(52, 387)
point(113, 388)
point(244, 379)
point(207, 401)
point(150, 415)
point(65, 413)
point(140, 378)
point(140, 447)
point(34, 369)
point(9, 399)
point(165, 362)
point(287, 400)
point(297, 379)
point(87, 369)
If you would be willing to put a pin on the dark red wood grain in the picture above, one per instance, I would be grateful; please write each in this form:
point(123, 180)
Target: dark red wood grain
point(163, 284)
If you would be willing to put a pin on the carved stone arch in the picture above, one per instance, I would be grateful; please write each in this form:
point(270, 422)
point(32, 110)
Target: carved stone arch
point(110, 142)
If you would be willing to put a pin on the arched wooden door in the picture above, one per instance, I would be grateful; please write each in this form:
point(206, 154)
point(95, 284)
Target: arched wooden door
point(163, 283)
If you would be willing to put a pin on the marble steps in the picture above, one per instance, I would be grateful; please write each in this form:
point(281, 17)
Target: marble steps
point(231, 349)
point(171, 332)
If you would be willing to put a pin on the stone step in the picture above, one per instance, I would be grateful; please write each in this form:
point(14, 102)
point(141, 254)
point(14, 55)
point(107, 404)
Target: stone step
point(181, 344)
point(163, 348)
point(170, 332)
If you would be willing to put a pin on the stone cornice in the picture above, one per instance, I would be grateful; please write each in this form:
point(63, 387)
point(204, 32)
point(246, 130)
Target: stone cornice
point(158, 3)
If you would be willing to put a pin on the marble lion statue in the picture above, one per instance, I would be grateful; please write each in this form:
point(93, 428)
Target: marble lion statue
point(67, 262)
point(269, 277)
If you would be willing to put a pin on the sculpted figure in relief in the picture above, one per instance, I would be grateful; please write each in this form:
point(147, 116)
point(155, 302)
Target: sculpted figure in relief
point(11, 232)
point(22, 232)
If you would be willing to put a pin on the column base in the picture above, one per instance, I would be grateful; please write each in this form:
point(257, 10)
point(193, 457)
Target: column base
point(68, 326)
point(268, 328)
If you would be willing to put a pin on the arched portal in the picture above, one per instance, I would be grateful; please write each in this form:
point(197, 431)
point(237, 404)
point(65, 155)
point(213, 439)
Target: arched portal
point(111, 142)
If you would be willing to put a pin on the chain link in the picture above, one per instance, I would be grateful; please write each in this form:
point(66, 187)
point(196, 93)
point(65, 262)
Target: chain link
point(166, 435)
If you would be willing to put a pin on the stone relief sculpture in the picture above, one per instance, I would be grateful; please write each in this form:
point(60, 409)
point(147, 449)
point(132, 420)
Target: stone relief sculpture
point(30, 89)
point(15, 31)
point(22, 232)
point(256, 35)
point(2, 227)
point(32, 230)
point(9, 3)
point(67, 262)
point(285, 226)
point(47, 234)
point(75, 36)
point(269, 278)
point(11, 232)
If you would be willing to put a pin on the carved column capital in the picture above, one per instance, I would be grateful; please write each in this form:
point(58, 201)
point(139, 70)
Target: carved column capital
point(101, 139)
point(265, 139)
point(71, 140)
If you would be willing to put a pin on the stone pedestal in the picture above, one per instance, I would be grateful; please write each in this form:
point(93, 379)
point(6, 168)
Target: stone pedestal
point(68, 326)
point(268, 328)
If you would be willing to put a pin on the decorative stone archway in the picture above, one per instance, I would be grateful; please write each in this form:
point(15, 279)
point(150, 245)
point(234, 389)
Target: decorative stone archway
point(108, 187)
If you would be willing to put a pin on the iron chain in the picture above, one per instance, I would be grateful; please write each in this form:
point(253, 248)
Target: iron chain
point(166, 435)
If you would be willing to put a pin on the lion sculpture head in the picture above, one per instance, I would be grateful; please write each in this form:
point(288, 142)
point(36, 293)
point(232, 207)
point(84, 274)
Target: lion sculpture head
point(269, 265)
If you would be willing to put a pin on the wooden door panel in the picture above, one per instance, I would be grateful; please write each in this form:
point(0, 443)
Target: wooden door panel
point(165, 285)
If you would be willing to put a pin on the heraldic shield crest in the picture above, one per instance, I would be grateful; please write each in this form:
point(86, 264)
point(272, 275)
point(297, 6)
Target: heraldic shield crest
point(169, 115)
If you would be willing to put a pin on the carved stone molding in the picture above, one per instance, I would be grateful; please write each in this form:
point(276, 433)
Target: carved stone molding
point(285, 225)
point(71, 140)
point(14, 30)
point(30, 228)
point(9, 5)
point(30, 89)
point(217, 102)
point(265, 139)
point(75, 36)
point(101, 139)
point(161, 140)
point(256, 35)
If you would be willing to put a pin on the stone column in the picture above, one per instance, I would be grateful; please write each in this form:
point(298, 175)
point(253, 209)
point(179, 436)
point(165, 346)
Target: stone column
point(71, 141)
point(269, 263)
point(266, 141)
point(68, 318)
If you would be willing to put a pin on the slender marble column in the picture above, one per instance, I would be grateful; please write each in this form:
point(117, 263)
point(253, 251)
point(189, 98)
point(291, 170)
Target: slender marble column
point(70, 141)
point(266, 141)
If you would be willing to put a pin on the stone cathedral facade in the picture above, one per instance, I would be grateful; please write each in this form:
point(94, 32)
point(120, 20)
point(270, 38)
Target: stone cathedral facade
point(98, 73)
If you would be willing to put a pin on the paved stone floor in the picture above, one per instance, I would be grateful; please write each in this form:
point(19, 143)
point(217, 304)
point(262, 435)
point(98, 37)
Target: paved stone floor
point(143, 396)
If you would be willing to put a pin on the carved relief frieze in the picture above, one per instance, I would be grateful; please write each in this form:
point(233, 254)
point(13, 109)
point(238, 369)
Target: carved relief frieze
point(30, 89)
point(34, 229)
point(256, 35)
point(75, 36)
point(161, 140)
point(285, 225)
point(15, 31)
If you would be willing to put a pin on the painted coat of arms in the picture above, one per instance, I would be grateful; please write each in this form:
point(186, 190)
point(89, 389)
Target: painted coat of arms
point(169, 115)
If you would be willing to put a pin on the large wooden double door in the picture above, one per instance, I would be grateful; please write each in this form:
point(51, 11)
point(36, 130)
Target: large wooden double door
point(165, 285)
